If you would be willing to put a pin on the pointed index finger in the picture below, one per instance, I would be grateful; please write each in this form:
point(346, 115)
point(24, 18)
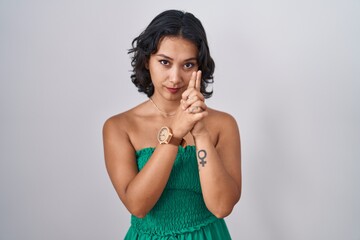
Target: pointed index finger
point(198, 80)
point(192, 81)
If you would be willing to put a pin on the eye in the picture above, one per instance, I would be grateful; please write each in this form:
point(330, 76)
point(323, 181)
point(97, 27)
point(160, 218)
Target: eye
point(164, 62)
point(189, 65)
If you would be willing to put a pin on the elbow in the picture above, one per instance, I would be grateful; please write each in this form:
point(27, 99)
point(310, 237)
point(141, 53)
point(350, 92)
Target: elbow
point(135, 207)
point(224, 209)
point(139, 213)
point(222, 212)
point(137, 210)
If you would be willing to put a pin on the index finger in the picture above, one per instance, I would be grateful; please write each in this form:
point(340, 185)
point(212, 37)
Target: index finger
point(192, 81)
point(198, 80)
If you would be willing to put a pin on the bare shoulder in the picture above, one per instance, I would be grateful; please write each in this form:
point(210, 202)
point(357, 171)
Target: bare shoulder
point(117, 123)
point(218, 119)
point(222, 127)
point(123, 123)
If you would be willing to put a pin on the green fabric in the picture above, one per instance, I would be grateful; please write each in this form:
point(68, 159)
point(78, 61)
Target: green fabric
point(180, 213)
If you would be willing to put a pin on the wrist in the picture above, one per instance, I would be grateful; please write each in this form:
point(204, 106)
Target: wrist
point(167, 136)
point(200, 136)
point(177, 132)
point(179, 139)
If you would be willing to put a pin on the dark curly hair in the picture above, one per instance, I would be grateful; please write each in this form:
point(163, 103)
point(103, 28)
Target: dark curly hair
point(170, 23)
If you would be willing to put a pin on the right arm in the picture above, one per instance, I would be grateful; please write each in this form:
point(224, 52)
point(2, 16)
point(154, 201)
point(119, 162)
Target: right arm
point(139, 191)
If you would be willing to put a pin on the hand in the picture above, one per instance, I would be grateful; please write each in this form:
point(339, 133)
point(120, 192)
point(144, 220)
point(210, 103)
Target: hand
point(192, 99)
point(192, 107)
point(193, 102)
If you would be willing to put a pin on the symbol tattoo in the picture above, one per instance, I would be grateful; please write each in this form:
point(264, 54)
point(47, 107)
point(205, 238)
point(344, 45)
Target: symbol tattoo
point(202, 155)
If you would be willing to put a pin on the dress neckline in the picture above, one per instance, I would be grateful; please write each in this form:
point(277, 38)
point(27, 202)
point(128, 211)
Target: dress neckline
point(151, 149)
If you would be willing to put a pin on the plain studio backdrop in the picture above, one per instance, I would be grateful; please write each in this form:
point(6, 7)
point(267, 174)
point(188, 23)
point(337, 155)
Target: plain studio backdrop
point(288, 71)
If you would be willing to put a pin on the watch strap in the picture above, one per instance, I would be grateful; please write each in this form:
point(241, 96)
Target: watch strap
point(173, 140)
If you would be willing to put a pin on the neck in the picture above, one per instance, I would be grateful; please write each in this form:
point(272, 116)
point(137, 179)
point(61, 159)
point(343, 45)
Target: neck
point(166, 108)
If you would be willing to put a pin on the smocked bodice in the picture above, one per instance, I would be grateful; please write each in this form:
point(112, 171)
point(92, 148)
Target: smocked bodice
point(181, 206)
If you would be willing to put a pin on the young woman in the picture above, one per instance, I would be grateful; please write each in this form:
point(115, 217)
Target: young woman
point(174, 162)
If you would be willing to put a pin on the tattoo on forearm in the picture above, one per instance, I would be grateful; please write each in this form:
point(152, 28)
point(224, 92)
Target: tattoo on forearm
point(202, 155)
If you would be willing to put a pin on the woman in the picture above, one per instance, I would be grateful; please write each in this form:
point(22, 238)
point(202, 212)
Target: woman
point(174, 162)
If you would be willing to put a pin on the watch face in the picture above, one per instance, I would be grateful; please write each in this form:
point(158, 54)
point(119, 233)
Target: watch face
point(163, 134)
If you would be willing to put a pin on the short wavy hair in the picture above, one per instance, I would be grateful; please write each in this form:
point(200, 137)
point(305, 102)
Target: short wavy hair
point(170, 23)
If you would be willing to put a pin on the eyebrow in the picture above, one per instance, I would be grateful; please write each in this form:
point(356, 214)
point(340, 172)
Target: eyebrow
point(167, 57)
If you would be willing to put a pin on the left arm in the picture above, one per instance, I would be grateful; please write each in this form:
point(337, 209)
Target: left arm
point(220, 163)
point(220, 166)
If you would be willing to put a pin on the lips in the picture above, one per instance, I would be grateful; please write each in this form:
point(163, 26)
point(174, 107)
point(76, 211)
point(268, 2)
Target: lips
point(173, 90)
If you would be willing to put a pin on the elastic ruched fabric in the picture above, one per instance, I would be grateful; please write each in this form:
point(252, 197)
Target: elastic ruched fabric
point(180, 213)
point(216, 230)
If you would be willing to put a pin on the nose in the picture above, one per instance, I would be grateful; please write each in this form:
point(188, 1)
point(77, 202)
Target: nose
point(175, 75)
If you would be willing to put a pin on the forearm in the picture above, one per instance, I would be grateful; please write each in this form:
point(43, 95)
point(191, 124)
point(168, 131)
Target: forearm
point(219, 189)
point(146, 188)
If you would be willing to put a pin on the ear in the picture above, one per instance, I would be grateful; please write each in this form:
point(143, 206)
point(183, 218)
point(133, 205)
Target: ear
point(147, 64)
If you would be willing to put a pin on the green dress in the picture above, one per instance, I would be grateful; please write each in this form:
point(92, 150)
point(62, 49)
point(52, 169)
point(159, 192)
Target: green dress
point(180, 212)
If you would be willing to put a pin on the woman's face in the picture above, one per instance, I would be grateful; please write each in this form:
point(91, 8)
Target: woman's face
point(171, 67)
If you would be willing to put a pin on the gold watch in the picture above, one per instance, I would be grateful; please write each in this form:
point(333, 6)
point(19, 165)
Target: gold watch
point(165, 136)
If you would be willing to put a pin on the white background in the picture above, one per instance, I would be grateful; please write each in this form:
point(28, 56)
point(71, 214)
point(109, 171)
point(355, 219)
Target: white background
point(288, 71)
